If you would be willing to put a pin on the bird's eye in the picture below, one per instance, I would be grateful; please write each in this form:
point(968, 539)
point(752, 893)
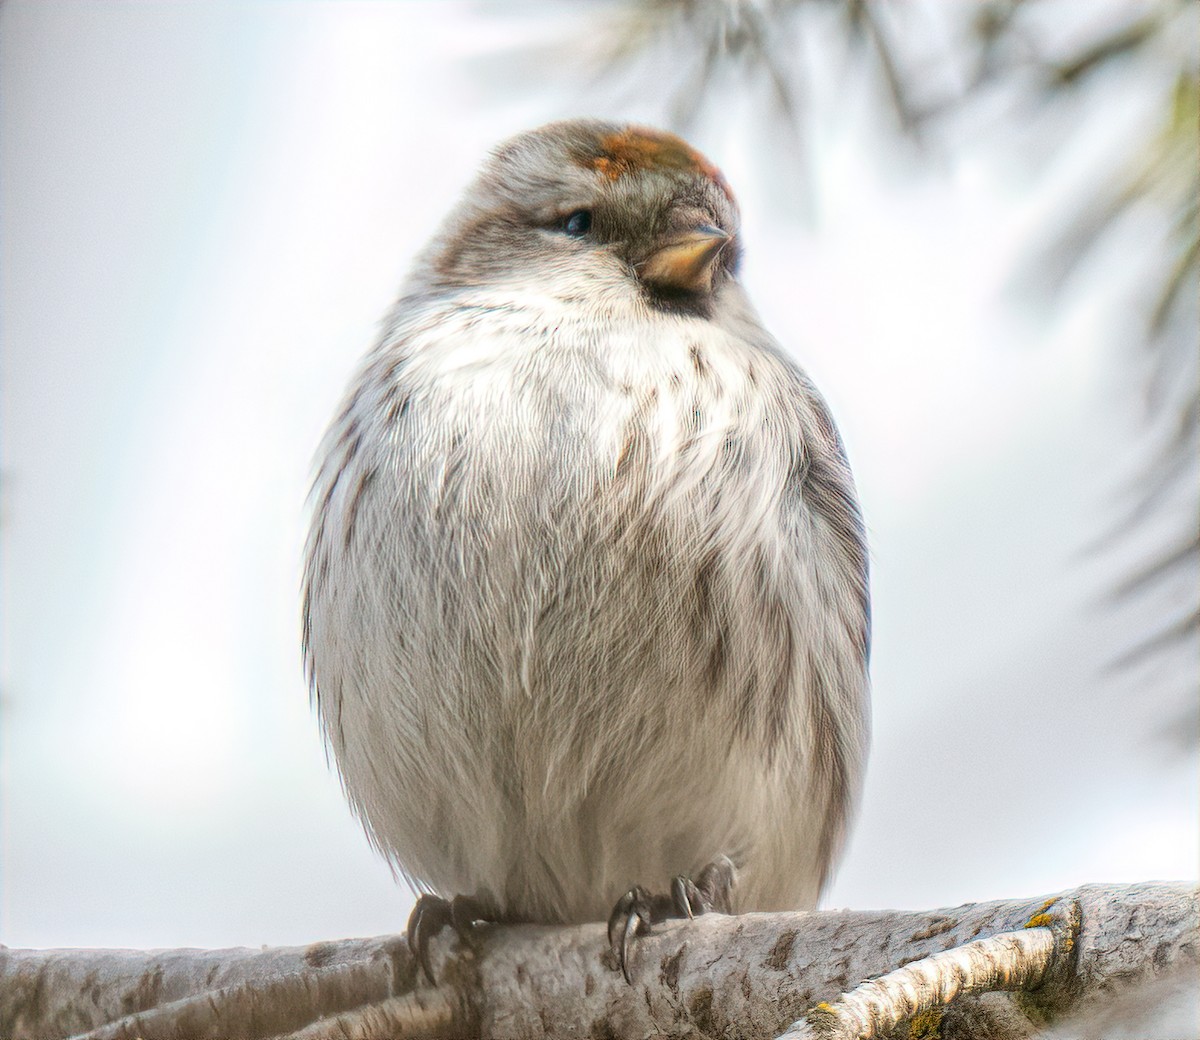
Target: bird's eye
point(578, 223)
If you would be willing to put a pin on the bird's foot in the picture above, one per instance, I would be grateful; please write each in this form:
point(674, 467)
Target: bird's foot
point(638, 909)
point(433, 913)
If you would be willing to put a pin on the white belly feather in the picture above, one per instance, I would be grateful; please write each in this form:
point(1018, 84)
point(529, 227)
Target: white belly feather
point(586, 588)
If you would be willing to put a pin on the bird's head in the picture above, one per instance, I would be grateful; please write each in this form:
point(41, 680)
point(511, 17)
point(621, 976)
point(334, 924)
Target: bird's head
point(594, 199)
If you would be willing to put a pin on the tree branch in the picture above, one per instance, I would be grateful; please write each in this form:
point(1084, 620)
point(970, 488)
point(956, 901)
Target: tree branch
point(1010, 960)
point(746, 976)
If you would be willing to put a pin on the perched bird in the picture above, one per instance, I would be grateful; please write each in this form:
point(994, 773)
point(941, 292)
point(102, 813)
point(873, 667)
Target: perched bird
point(585, 596)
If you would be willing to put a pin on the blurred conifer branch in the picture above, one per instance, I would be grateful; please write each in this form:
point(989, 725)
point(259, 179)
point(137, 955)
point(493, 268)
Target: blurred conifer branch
point(1162, 168)
point(757, 42)
point(1160, 172)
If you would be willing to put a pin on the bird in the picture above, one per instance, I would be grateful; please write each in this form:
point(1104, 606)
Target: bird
point(586, 615)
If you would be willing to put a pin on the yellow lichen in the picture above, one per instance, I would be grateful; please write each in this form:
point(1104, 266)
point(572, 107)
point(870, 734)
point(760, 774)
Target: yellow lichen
point(1039, 921)
point(926, 1025)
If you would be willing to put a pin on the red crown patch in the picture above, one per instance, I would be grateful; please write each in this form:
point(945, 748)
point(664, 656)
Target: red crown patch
point(639, 148)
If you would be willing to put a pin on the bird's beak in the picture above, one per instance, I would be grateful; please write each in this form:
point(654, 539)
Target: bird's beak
point(685, 263)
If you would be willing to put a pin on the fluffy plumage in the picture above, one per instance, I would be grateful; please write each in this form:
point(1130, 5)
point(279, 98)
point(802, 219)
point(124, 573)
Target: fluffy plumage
point(585, 593)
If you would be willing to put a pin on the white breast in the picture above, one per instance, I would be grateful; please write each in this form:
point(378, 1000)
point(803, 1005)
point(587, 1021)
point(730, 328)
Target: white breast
point(570, 615)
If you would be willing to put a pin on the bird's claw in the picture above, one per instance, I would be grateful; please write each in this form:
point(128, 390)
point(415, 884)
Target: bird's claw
point(637, 910)
point(712, 890)
point(633, 915)
point(432, 914)
point(686, 897)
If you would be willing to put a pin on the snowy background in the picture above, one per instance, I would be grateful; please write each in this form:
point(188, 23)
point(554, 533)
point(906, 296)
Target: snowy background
point(207, 207)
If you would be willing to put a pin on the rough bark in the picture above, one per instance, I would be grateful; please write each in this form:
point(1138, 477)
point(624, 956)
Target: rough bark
point(748, 976)
point(1008, 961)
